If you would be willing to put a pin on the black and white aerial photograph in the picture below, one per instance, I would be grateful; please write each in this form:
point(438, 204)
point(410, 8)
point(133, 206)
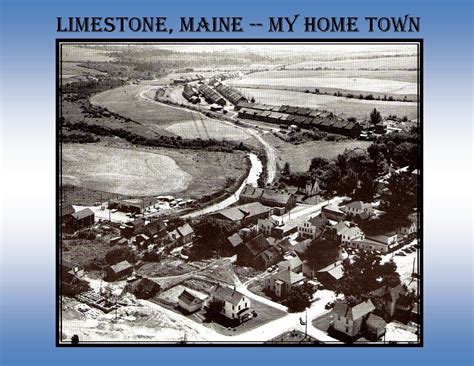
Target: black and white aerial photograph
point(239, 193)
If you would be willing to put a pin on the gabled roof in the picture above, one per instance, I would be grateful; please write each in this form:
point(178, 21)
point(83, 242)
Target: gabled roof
point(227, 294)
point(189, 298)
point(357, 205)
point(253, 209)
point(352, 232)
point(257, 244)
point(289, 277)
point(121, 266)
point(336, 271)
point(390, 293)
point(375, 321)
point(142, 284)
point(340, 228)
point(67, 210)
point(291, 263)
point(341, 308)
point(270, 253)
point(235, 240)
point(79, 215)
point(186, 229)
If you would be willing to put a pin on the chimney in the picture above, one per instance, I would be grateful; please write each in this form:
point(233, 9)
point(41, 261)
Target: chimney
point(233, 292)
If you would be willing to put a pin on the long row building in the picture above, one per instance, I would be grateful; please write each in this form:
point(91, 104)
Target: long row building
point(211, 95)
point(307, 118)
point(231, 94)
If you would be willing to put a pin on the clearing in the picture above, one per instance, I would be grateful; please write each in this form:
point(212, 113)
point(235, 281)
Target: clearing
point(122, 171)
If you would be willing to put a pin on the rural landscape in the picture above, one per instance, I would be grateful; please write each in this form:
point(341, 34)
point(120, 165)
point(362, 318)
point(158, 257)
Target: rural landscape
point(239, 193)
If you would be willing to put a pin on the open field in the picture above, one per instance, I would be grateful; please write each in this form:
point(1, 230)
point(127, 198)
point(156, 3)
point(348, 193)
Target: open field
point(72, 69)
point(299, 156)
point(387, 63)
point(121, 171)
point(149, 171)
point(359, 108)
point(355, 84)
point(77, 53)
point(127, 102)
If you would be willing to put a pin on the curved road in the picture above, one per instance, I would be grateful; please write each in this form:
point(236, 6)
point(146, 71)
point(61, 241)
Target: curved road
point(269, 150)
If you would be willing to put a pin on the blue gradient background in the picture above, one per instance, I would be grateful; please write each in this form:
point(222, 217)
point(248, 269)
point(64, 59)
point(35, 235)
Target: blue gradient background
point(28, 177)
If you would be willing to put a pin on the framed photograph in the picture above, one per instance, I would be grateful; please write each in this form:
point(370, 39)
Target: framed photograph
point(239, 192)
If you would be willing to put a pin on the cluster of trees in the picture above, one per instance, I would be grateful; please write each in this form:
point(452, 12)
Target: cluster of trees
point(119, 254)
point(79, 138)
point(210, 241)
point(84, 89)
point(365, 273)
point(300, 298)
point(162, 141)
point(321, 253)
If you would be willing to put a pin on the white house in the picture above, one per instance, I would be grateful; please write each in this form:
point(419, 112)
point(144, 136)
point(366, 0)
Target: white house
point(349, 319)
point(313, 227)
point(312, 187)
point(382, 242)
point(236, 305)
point(266, 225)
point(357, 208)
point(352, 233)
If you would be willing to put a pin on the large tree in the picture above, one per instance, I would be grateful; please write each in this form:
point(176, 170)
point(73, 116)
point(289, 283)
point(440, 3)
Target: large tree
point(365, 273)
point(375, 117)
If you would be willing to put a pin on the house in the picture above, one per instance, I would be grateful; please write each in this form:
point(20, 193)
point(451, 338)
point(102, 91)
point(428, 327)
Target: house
point(395, 298)
point(237, 307)
point(382, 242)
point(66, 211)
point(348, 319)
point(187, 234)
point(410, 227)
point(189, 301)
point(375, 327)
point(293, 264)
point(240, 216)
point(313, 227)
point(149, 227)
point(282, 282)
point(210, 95)
point(333, 213)
point(235, 240)
point(282, 230)
point(79, 220)
point(248, 252)
point(71, 272)
point(266, 225)
point(268, 257)
point(118, 271)
point(312, 187)
point(268, 197)
point(142, 288)
point(356, 208)
point(330, 275)
point(335, 232)
point(351, 234)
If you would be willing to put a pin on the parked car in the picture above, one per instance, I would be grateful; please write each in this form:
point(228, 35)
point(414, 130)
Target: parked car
point(329, 305)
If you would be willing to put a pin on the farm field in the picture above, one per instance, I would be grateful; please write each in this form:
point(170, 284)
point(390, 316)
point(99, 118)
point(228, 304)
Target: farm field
point(121, 171)
point(75, 53)
point(357, 84)
point(127, 102)
point(359, 108)
point(71, 70)
point(299, 156)
point(401, 62)
point(149, 171)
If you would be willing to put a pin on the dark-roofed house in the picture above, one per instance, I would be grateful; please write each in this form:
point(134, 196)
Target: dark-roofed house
point(349, 319)
point(142, 288)
point(282, 282)
point(375, 327)
point(243, 215)
point(67, 210)
point(71, 272)
point(236, 307)
point(332, 212)
point(330, 275)
point(268, 197)
point(118, 271)
point(268, 257)
point(395, 298)
point(247, 252)
point(189, 301)
point(79, 220)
